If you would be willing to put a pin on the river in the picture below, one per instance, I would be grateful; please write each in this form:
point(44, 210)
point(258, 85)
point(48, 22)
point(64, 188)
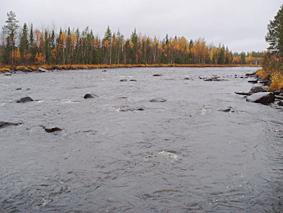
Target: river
point(120, 152)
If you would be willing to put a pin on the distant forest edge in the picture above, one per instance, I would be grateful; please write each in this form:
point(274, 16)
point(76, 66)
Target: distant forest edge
point(28, 46)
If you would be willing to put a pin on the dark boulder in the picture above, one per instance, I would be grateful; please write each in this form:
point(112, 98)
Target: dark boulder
point(157, 75)
point(25, 100)
point(130, 109)
point(187, 78)
point(262, 97)
point(133, 80)
point(19, 88)
point(253, 81)
point(4, 124)
point(257, 89)
point(89, 96)
point(280, 103)
point(123, 80)
point(156, 100)
point(51, 130)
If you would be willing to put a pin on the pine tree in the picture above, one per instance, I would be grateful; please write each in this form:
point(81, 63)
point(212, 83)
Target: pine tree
point(275, 34)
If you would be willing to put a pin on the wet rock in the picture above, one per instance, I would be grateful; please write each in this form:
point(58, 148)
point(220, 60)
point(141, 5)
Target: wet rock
point(158, 100)
point(40, 69)
point(130, 109)
point(257, 89)
point(228, 109)
point(187, 78)
point(134, 80)
point(280, 103)
point(51, 130)
point(104, 70)
point(123, 80)
point(25, 100)
point(264, 82)
point(19, 88)
point(278, 92)
point(251, 74)
point(4, 124)
point(213, 78)
point(243, 93)
point(157, 75)
point(169, 154)
point(253, 81)
point(89, 96)
point(262, 97)
point(279, 97)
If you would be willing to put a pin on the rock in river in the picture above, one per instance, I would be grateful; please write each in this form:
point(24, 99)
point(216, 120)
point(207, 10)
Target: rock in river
point(243, 93)
point(51, 130)
point(156, 100)
point(157, 75)
point(257, 89)
point(4, 124)
point(25, 100)
point(89, 96)
point(262, 97)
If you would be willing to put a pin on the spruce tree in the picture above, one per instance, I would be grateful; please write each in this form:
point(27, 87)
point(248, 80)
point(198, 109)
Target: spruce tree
point(24, 43)
point(275, 34)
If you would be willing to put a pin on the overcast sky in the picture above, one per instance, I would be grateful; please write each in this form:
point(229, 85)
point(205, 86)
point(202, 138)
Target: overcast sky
point(240, 24)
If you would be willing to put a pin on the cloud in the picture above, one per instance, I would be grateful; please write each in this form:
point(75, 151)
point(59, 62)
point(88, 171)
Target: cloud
point(239, 24)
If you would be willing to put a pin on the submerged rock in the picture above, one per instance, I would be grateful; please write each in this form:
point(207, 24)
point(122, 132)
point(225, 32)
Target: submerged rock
point(243, 93)
point(4, 124)
point(25, 100)
point(89, 96)
point(187, 78)
point(130, 109)
point(156, 100)
point(228, 109)
point(213, 78)
point(280, 103)
point(157, 75)
point(257, 89)
point(262, 97)
point(134, 80)
point(19, 88)
point(104, 70)
point(123, 80)
point(51, 130)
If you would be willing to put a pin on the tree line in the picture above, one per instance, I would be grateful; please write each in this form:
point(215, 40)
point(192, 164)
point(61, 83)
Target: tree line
point(27, 45)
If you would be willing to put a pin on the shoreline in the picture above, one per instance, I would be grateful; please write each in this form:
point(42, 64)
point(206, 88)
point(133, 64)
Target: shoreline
point(46, 67)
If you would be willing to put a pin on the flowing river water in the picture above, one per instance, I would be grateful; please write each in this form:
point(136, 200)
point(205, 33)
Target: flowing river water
point(120, 152)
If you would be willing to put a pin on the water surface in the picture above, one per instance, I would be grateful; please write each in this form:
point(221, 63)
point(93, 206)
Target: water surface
point(182, 155)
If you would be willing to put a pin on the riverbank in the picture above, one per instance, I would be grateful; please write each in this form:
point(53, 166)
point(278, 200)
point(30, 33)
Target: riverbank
point(273, 79)
point(35, 68)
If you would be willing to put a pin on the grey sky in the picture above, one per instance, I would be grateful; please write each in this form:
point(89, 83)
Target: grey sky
point(240, 24)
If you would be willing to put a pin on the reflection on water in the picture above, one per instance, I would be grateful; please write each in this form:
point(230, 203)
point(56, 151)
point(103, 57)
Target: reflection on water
point(120, 152)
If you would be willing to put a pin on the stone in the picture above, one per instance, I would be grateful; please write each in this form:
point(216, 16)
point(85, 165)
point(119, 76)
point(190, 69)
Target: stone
point(262, 97)
point(25, 100)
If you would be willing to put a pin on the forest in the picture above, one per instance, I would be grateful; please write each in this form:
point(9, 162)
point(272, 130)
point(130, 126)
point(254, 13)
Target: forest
point(24, 45)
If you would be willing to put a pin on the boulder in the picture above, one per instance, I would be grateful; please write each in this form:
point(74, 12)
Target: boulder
point(265, 82)
point(156, 100)
point(40, 69)
point(123, 80)
point(25, 100)
point(253, 81)
point(262, 97)
point(51, 130)
point(89, 96)
point(4, 124)
point(19, 88)
point(257, 89)
point(280, 103)
point(251, 74)
point(134, 80)
point(157, 75)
